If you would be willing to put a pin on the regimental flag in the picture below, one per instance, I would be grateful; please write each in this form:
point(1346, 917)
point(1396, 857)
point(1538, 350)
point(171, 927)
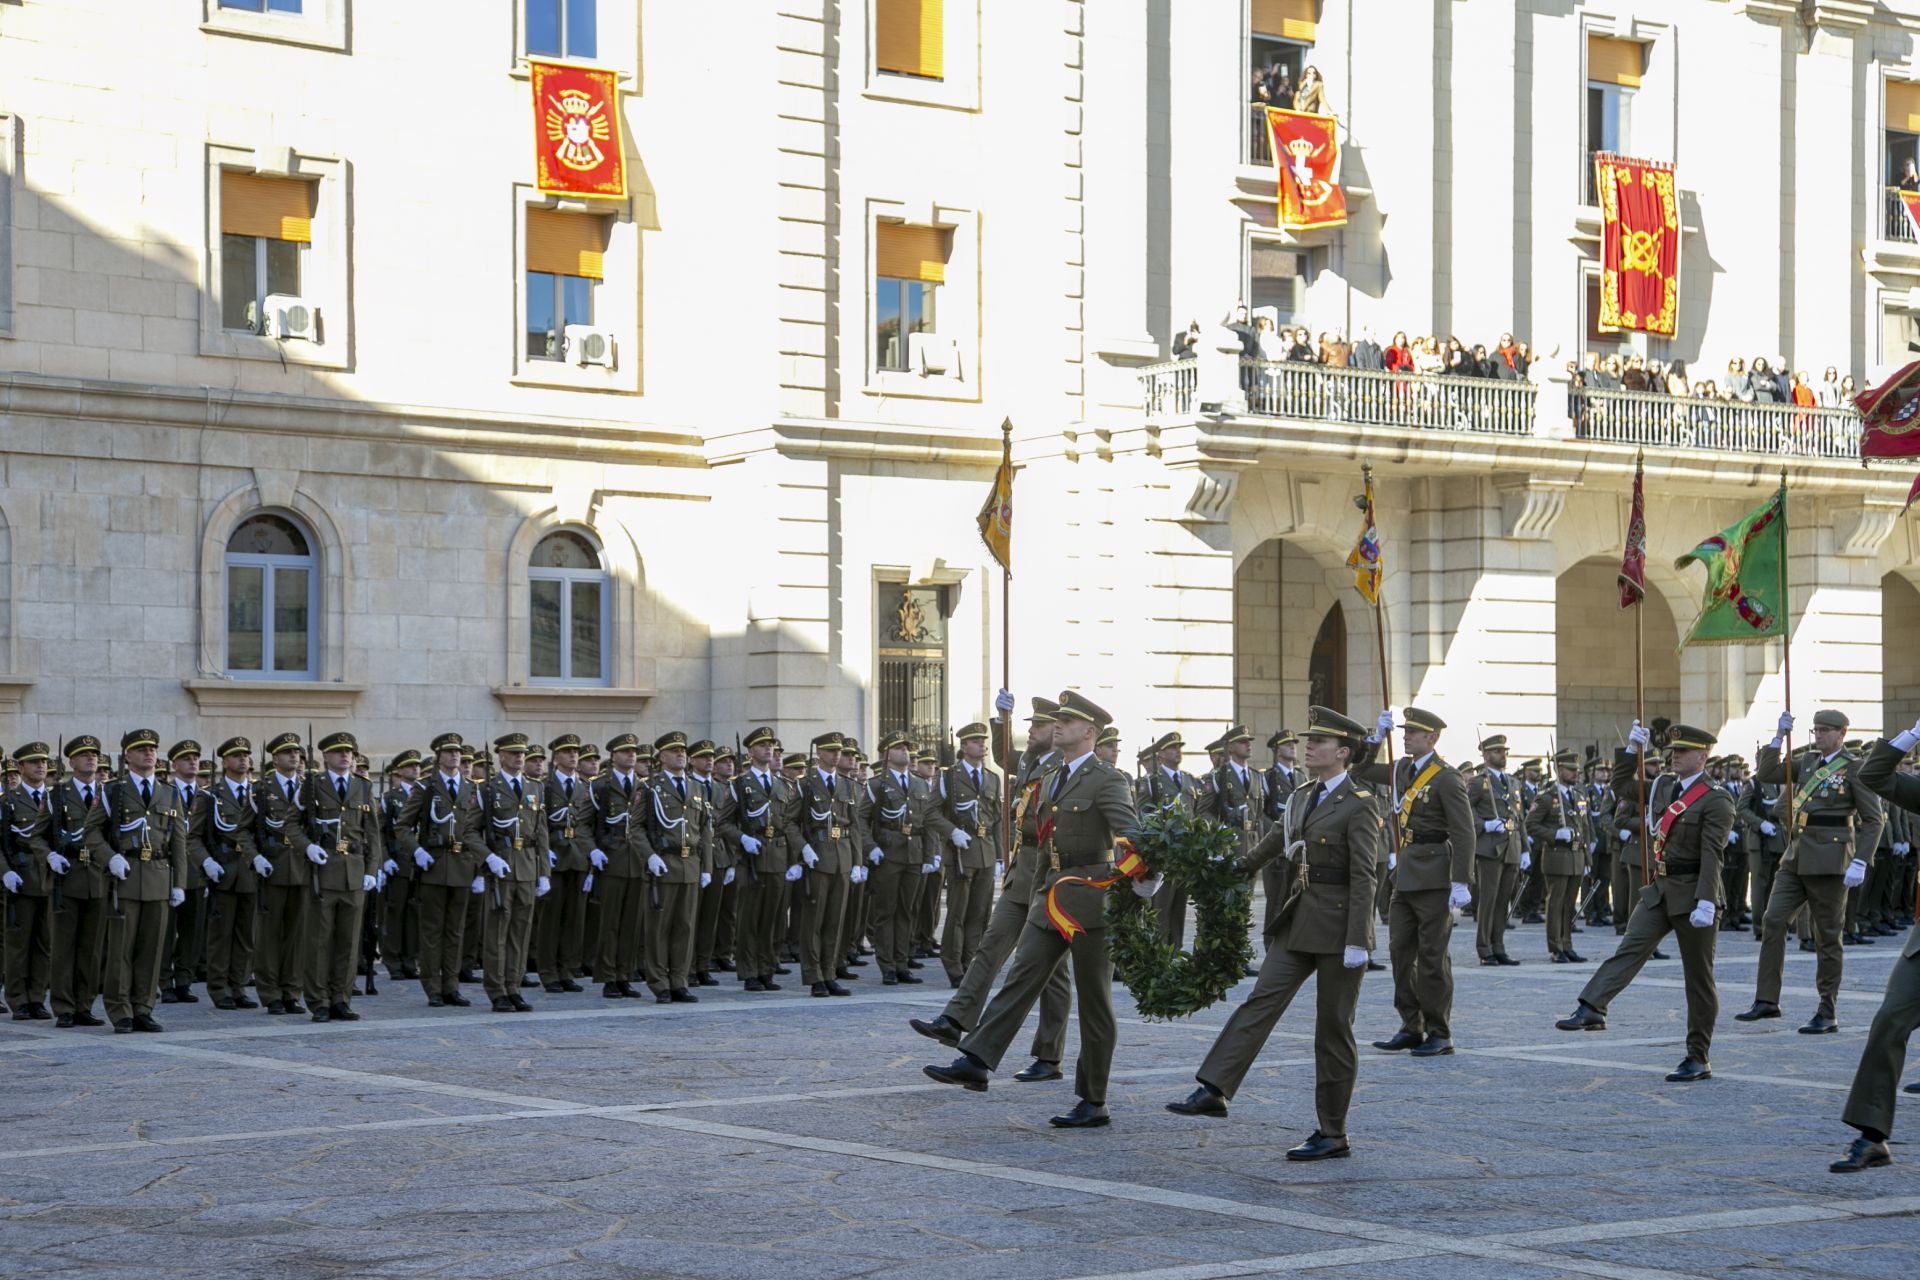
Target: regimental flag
point(1910, 201)
point(1365, 559)
point(996, 514)
point(576, 131)
point(1746, 578)
point(1639, 244)
point(1633, 562)
point(1306, 165)
point(1890, 416)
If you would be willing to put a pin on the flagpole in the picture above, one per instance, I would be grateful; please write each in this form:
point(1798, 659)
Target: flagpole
point(1640, 718)
point(1380, 645)
point(1006, 650)
point(1786, 655)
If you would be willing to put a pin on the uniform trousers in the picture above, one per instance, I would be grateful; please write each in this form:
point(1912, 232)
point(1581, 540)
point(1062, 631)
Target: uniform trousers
point(969, 905)
point(230, 923)
point(136, 939)
point(1649, 925)
point(1419, 925)
point(280, 954)
point(1877, 1079)
point(509, 929)
point(1037, 965)
point(560, 923)
point(1336, 1061)
point(443, 933)
point(1005, 926)
point(1493, 881)
point(333, 951)
point(670, 935)
point(79, 934)
point(1826, 897)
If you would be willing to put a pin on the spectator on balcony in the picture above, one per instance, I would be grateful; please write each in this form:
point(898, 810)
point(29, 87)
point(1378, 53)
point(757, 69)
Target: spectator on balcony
point(1677, 385)
point(1803, 391)
point(1311, 96)
point(1510, 360)
point(1335, 351)
point(1847, 391)
point(1186, 343)
point(1634, 376)
point(1427, 359)
point(1459, 360)
point(1827, 394)
point(1910, 177)
point(1236, 323)
point(1367, 353)
point(1300, 350)
point(1280, 84)
point(1260, 94)
point(1765, 389)
point(1398, 357)
point(1271, 350)
point(1657, 378)
point(1737, 385)
point(1782, 381)
point(1609, 375)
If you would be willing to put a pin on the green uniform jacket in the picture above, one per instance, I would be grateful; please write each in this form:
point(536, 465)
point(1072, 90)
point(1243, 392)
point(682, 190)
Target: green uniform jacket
point(681, 832)
point(349, 830)
point(231, 822)
point(1281, 782)
point(400, 841)
point(1694, 842)
point(1878, 776)
point(828, 820)
point(1329, 899)
point(1088, 811)
point(451, 828)
point(516, 827)
point(893, 817)
point(196, 809)
point(723, 804)
point(765, 811)
point(30, 834)
point(1500, 796)
point(151, 837)
point(1550, 813)
point(620, 825)
point(1437, 848)
point(975, 810)
point(73, 839)
point(1836, 824)
point(569, 823)
point(1236, 804)
point(281, 835)
point(1159, 790)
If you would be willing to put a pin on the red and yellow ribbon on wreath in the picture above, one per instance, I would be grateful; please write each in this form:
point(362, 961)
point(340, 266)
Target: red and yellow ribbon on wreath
point(1129, 866)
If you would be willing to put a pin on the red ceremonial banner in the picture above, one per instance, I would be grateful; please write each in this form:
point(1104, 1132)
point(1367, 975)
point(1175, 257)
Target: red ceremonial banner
point(1306, 164)
point(576, 131)
point(1890, 416)
point(1639, 244)
point(1910, 201)
point(1633, 561)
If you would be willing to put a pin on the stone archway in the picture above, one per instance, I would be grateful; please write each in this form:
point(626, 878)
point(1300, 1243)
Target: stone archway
point(1295, 641)
point(1899, 658)
point(1594, 645)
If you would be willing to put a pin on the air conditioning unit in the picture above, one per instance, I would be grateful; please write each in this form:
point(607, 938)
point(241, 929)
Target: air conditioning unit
point(289, 317)
point(588, 345)
point(929, 353)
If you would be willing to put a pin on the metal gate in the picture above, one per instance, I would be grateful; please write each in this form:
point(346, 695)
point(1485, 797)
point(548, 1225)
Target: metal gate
point(913, 662)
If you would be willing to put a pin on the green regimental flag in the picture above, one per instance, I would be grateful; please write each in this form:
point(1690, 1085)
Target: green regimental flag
point(1746, 578)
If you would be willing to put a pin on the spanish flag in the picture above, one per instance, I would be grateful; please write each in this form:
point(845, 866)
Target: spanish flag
point(996, 514)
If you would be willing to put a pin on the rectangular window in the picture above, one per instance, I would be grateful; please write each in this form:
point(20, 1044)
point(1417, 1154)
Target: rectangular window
point(1277, 277)
point(909, 38)
point(263, 6)
point(1613, 75)
point(583, 642)
point(910, 263)
point(544, 657)
point(290, 595)
point(266, 225)
point(1598, 337)
point(1899, 335)
point(246, 615)
point(566, 257)
point(563, 28)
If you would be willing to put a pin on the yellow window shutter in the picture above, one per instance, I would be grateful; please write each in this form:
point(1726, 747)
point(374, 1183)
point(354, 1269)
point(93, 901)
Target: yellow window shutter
point(1903, 106)
point(1611, 61)
point(909, 37)
point(567, 244)
point(276, 208)
point(1288, 19)
point(902, 252)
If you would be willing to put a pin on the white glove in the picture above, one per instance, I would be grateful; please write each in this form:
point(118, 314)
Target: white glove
point(12, 881)
point(1526, 860)
point(1638, 739)
point(598, 859)
point(795, 871)
point(1856, 874)
point(586, 885)
point(553, 859)
point(117, 865)
point(961, 839)
point(1733, 837)
point(58, 864)
point(808, 856)
point(934, 869)
point(656, 864)
point(1354, 958)
point(422, 859)
point(1785, 726)
point(213, 869)
point(261, 867)
point(1458, 896)
point(391, 867)
point(1146, 888)
point(1563, 833)
point(1625, 835)
point(874, 856)
point(1768, 829)
point(498, 865)
point(1393, 860)
point(1702, 917)
point(1384, 724)
point(706, 878)
point(999, 869)
point(176, 896)
point(750, 844)
point(1494, 827)
point(541, 886)
point(859, 875)
point(479, 884)
point(729, 877)
point(1003, 702)
point(1903, 849)
point(316, 855)
point(369, 883)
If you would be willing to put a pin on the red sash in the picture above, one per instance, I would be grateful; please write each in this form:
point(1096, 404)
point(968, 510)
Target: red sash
point(1663, 827)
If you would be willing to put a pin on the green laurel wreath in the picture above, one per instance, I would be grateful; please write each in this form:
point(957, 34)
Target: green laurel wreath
point(1198, 854)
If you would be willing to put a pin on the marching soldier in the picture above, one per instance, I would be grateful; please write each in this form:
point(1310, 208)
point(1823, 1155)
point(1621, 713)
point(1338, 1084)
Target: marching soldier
point(1562, 829)
point(829, 855)
point(973, 803)
point(445, 816)
point(29, 815)
point(1084, 806)
point(1435, 834)
point(712, 923)
point(1836, 826)
point(400, 941)
point(79, 889)
point(1499, 809)
point(1324, 930)
point(233, 881)
point(679, 860)
point(559, 917)
point(618, 857)
point(1687, 818)
point(187, 923)
point(143, 842)
point(762, 818)
point(280, 862)
point(344, 851)
point(515, 875)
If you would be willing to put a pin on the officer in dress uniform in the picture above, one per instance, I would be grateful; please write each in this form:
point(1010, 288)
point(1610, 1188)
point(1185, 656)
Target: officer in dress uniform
point(1836, 827)
point(280, 950)
point(1329, 843)
point(1688, 817)
point(1165, 785)
point(186, 924)
point(559, 916)
point(344, 852)
point(79, 889)
point(926, 894)
point(1600, 804)
point(618, 858)
point(515, 872)
point(713, 934)
point(233, 882)
point(28, 814)
point(1562, 830)
point(902, 804)
point(761, 822)
point(400, 942)
point(142, 841)
point(973, 804)
point(1499, 811)
point(829, 859)
point(679, 864)
point(444, 815)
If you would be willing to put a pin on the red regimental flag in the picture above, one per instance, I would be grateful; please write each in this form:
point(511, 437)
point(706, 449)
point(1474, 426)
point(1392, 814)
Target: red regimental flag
point(1890, 416)
point(1306, 164)
point(1639, 244)
point(576, 131)
point(1633, 563)
point(1910, 201)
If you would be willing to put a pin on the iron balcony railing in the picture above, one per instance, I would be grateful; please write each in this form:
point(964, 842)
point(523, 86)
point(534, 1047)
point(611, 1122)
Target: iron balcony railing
point(1896, 225)
point(1368, 397)
point(1721, 426)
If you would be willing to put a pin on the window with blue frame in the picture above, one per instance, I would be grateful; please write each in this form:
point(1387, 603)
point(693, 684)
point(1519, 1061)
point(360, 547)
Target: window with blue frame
point(563, 28)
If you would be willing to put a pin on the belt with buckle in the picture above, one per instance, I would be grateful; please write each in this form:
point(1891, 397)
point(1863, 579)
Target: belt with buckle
point(1825, 819)
point(833, 833)
point(1326, 875)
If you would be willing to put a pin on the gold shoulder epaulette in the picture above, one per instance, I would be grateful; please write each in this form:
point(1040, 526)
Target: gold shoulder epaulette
point(1361, 793)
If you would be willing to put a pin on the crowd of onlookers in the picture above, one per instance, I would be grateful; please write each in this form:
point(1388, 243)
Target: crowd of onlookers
point(1262, 339)
point(1761, 382)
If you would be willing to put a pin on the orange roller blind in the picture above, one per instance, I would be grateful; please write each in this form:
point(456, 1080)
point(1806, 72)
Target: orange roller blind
point(909, 36)
point(567, 244)
point(902, 252)
point(1288, 19)
point(1903, 106)
point(1611, 61)
point(277, 208)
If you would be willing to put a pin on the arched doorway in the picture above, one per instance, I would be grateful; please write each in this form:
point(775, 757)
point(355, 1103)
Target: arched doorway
point(1594, 657)
point(1899, 657)
point(1327, 664)
point(1292, 642)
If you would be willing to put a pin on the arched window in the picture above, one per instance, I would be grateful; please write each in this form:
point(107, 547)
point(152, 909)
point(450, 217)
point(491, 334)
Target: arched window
point(273, 599)
point(568, 612)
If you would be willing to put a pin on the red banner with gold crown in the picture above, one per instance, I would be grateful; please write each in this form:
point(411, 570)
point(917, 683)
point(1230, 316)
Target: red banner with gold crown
point(1306, 169)
point(1639, 244)
point(576, 131)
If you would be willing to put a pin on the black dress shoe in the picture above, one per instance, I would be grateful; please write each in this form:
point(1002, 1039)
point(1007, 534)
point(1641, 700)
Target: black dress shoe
point(911, 964)
point(1201, 1102)
point(944, 1029)
point(64, 1021)
point(817, 989)
point(343, 1013)
point(85, 1018)
point(520, 1004)
point(20, 1014)
point(724, 965)
point(846, 973)
point(1806, 944)
point(705, 980)
point(294, 1006)
point(1688, 1071)
point(145, 1022)
point(1533, 917)
point(1658, 954)
point(768, 984)
point(1583, 1018)
point(1319, 1146)
point(1912, 1088)
point(855, 962)
point(680, 995)
point(1558, 957)
point(1085, 1115)
point(322, 1015)
point(908, 980)
point(888, 980)
point(1488, 962)
point(168, 997)
point(502, 1005)
point(457, 1000)
point(553, 988)
point(1820, 1025)
point(1501, 957)
point(122, 1026)
point(954, 983)
point(243, 1001)
point(835, 989)
point(627, 992)
point(781, 971)
point(1040, 1070)
point(1574, 957)
point(436, 1002)
point(963, 1071)
point(754, 984)
point(226, 1002)
point(1401, 1039)
point(663, 997)
point(1761, 1009)
point(1433, 1046)
point(525, 981)
point(184, 995)
point(1864, 1154)
point(465, 975)
point(38, 1011)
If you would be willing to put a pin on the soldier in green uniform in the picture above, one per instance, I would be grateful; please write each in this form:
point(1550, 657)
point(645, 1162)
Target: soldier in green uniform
point(344, 852)
point(142, 841)
point(1434, 818)
point(1165, 785)
point(1598, 790)
point(713, 935)
point(854, 919)
point(444, 815)
point(400, 943)
point(679, 864)
point(935, 844)
point(1330, 845)
point(28, 814)
point(1688, 818)
point(791, 804)
point(1085, 807)
point(761, 821)
point(900, 801)
point(280, 947)
point(559, 916)
point(828, 854)
point(1499, 812)
point(232, 880)
point(618, 858)
point(1836, 826)
point(1562, 829)
point(79, 890)
point(972, 796)
point(515, 874)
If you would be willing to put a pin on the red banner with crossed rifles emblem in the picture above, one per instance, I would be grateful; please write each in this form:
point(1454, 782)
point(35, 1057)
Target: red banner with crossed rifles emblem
point(1306, 165)
point(1639, 244)
point(576, 131)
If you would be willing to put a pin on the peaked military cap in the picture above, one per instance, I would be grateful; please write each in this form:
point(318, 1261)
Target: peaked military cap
point(1280, 738)
point(446, 742)
point(235, 747)
point(1167, 742)
point(30, 751)
point(589, 752)
point(536, 752)
point(826, 742)
point(1422, 721)
point(1109, 734)
point(340, 741)
point(139, 738)
point(404, 759)
point(622, 742)
point(925, 755)
point(1567, 759)
point(970, 732)
point(1684, 737)
point(895, 739)
point(1828, 718)
point(702, 748)
point(467, 754)
point(793, 760)
point(184, 747)
point(510, 742)
point(1075, 707)
point(671, 740)
point(288, 741)
point(1239, 733)
point(757, 736)
point(724, 753)
point(1498, 742)
point(81, 745)
point(1324, 722)
point(1045, 711)
point(565, 742)
point(1216, 745)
